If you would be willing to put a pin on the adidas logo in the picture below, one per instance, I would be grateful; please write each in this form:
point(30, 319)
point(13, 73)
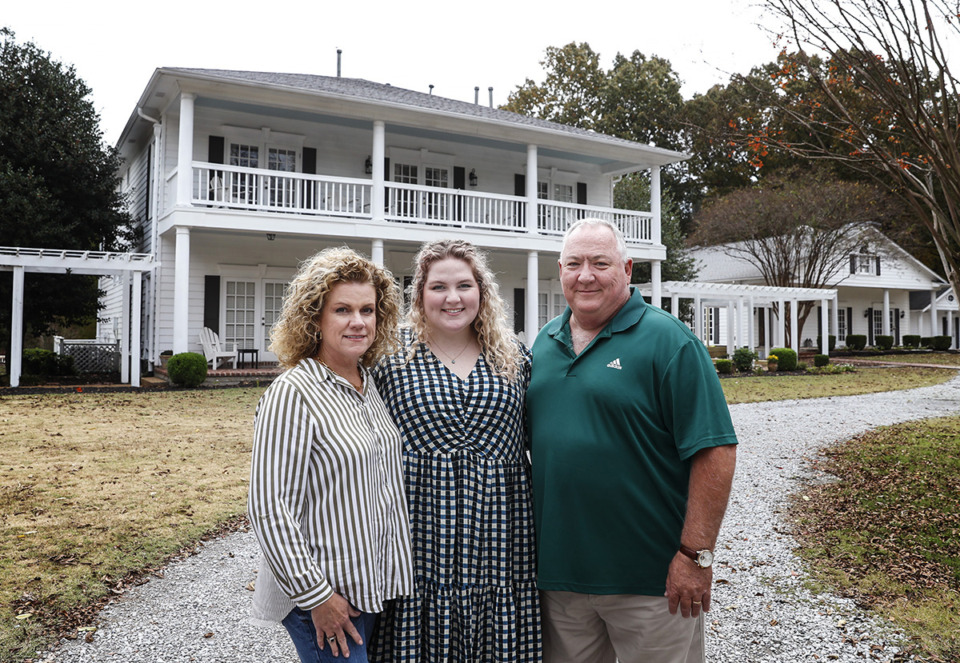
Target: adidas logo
point(615, 364)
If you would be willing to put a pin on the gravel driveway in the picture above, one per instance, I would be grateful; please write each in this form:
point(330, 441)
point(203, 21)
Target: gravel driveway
point(761, 609)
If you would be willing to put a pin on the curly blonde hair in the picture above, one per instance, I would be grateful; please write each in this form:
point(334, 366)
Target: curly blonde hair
point(295, 335)
point(498, 343)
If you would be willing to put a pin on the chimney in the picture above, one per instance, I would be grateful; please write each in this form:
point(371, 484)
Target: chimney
point(476, 95)
point(490, 90)
point(338, 62)
point(431, 89)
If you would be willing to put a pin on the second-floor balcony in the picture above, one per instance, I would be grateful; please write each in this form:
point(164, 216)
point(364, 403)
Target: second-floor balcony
point(269, 191)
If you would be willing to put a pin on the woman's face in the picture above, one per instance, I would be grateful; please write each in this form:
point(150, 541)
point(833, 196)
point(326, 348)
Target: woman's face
point(451, 296)
point(348, 322)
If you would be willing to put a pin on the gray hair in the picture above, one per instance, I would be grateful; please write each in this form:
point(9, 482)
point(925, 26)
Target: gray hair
point(596, 222)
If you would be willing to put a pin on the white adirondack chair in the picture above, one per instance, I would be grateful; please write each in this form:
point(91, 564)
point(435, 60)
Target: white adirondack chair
point(213, 352)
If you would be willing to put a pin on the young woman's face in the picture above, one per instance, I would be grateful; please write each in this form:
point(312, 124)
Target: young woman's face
point(451, 296)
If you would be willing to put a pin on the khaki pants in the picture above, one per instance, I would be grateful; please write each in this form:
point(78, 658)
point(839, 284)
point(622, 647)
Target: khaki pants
point(629, 628)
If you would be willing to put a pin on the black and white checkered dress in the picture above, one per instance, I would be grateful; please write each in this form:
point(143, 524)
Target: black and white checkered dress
point(471, 511)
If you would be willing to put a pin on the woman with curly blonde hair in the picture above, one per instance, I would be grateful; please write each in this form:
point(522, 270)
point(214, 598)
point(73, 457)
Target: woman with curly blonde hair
point(457, 391)
point(326, 483)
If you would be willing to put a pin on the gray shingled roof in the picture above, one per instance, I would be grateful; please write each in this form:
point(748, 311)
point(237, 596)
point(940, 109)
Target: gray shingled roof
point(379, 92)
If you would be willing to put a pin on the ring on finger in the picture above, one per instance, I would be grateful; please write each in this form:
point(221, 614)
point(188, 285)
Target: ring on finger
point(331, 638)
point(697, 602)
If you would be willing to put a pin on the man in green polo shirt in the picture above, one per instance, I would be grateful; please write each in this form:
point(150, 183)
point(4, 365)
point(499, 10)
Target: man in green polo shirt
point(633, 458)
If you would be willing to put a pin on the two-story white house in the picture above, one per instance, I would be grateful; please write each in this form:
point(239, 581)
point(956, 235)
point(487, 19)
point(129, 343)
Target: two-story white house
point(234, 177)
point(881, 289)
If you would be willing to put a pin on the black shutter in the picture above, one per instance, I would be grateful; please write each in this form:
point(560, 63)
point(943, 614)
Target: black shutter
point(211, 302)
point(386, 178)
point(519, 312)
point(896, 326)
point(309, 192)
point(853, 264)
point(520, 189)
point(459, 183)
point(870, 326)
point(310, 160)
point(849, 320)
point(215, 149)
point(878, 265)
point(581, 198)
point(716, 324)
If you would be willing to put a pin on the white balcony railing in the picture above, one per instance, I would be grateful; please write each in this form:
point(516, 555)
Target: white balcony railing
point(233, 187)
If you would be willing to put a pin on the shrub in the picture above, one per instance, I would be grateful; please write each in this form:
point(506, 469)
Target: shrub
point(831, 342)
point(37, 361)
point(940, 343)
point(786, 358)
point(911, 340)
point(188, 369)
point(743, 359)
point(801, 366)
point(856, 341)
point(884, 341)
point(821, 360)
point(926, 341)
point(724, 366)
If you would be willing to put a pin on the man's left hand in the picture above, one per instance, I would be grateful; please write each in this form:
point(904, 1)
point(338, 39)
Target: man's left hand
point(688, 587)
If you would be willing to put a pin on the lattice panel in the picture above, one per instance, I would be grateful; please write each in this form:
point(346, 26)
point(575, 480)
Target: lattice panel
point(94, 357)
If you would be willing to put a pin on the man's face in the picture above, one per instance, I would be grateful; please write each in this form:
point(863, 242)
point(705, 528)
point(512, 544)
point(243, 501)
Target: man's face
point(594, 277)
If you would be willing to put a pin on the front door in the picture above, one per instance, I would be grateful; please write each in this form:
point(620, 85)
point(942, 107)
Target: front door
point(251, 308)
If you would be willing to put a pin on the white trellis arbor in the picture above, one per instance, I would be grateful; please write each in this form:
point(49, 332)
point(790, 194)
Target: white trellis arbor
point(742, 302)
point(93, 263)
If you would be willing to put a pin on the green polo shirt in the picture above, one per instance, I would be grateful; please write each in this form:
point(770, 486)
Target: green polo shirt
point(612, 434)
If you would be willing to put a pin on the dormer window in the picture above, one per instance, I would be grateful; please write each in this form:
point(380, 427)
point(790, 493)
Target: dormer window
point(865, 263)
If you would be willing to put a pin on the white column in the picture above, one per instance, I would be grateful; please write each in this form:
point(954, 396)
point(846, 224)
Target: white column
point(531, 323)
point(782, 324)
point(751, 340)
point(740, 339)
point(376, 252)
point(655, 204)
point(15, 360)
point(185, 150)
point(675, 305)
point(824, 327)
point(377, 155)
point(531, 188)
point(934, 329)
point(730, 328)
point(794, 332)
point(655, 280)
point(181, 292)
point(135, 330)
point(698, 321)
point(767, 330)
point(125, 327)
point(886, 313)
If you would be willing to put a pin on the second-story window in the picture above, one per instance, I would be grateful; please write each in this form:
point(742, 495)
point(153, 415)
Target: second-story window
point(563, 193)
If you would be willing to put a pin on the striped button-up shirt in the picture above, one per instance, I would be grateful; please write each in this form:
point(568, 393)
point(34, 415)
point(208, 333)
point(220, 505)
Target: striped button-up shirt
point(326, 495)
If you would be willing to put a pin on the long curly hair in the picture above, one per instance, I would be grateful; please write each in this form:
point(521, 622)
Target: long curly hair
point(498, 343)
point(296, 334)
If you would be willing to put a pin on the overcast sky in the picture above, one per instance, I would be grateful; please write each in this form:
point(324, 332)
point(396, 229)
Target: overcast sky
point(115, 46)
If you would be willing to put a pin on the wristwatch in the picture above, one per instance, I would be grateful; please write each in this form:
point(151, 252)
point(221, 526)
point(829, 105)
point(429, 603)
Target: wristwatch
point(702, 558)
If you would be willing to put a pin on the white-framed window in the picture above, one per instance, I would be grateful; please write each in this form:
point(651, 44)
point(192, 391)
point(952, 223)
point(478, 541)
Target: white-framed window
point(865, 263)
point(877, 322)
point(841, 326)
point(563, 193)
point(543, 309)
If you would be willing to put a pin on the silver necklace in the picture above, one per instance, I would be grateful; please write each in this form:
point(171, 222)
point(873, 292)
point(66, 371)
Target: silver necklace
point(453, 360)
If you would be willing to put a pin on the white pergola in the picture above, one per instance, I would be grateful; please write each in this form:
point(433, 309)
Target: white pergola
point(91, 263)
point(741, 301)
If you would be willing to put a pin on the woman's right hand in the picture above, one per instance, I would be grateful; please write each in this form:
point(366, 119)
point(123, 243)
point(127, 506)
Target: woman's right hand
point(331, 619)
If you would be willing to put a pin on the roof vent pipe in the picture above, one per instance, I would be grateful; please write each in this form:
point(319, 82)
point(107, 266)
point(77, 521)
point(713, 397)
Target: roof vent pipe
point(476, 95)
point(431, 89)
point(490, 90)
point(338, 62)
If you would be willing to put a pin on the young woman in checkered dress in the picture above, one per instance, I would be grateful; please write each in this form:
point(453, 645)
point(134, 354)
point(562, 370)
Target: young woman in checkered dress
point(457, 393)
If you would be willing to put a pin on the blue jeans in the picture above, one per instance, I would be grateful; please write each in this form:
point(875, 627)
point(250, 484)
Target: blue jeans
point(299, 625)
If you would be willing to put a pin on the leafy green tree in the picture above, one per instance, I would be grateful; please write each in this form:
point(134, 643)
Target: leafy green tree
point(58, 182)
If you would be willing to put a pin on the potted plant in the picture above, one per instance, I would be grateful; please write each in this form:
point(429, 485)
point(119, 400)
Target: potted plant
point(772, 363)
